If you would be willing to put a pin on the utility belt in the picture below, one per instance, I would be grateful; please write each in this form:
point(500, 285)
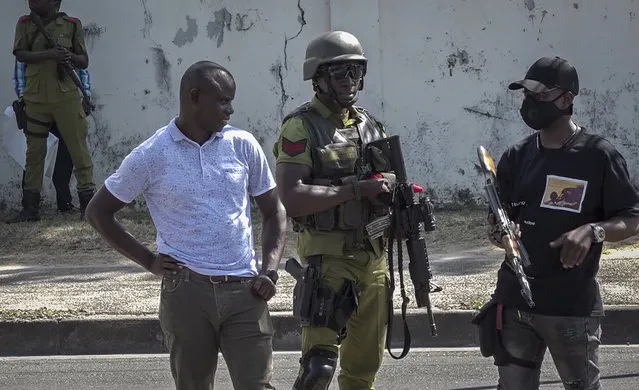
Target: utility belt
point(490, 322)
point(317, 304)
point(350, 217)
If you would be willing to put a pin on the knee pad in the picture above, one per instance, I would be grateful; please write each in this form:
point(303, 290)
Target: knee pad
point(317, 367)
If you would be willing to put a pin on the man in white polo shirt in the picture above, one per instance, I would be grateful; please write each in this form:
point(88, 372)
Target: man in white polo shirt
point(197, 175)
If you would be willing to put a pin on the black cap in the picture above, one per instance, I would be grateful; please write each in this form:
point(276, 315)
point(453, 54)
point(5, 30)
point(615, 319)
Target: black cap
point(548, 73)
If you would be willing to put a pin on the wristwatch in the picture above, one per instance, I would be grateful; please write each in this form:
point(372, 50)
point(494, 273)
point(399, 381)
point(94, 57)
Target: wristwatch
point(598, 233)
point(272, 274)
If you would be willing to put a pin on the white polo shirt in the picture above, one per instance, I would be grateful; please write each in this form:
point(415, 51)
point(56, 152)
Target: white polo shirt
point(198, 196)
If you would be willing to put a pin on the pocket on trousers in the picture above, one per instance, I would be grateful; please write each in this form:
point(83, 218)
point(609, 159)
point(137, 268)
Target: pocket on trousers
point(170, 283)
point(257, 307)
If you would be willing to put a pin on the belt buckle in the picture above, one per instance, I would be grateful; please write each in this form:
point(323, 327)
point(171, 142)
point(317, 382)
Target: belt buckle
point(226, 279)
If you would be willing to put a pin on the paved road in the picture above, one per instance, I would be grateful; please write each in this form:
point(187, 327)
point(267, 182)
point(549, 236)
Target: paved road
point(421, 369)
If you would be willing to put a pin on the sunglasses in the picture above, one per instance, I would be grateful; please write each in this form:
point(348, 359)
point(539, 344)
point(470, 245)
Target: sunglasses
point(341, 71)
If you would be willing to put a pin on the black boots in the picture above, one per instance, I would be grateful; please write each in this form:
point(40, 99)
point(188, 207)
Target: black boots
point(84, 197)
point(30, 208)
point(63, 200)
point(66, 207)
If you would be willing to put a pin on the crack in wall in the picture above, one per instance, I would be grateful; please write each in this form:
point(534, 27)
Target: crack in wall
point(276, 70)
point(302, 22)
point(483, 113)
point(148, 20)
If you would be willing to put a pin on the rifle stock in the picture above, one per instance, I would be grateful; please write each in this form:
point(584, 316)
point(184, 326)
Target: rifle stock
point(516, 254)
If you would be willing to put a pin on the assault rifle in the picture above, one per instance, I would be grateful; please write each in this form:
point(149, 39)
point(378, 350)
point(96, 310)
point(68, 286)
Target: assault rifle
point(65, 67)
point(516, 255)
point(409, 219)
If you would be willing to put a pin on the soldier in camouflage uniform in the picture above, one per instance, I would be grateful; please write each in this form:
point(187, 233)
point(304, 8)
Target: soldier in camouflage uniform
point(51, 97)
point(325, 184)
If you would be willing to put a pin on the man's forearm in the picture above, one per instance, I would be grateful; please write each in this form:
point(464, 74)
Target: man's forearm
point(307, 199)
point(80, 60)
point(121, 240)
point(620, 228)
point(30, 57)
point(273, 239)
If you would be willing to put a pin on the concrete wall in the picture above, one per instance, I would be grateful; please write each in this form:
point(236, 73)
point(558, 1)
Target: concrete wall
point(438, 73)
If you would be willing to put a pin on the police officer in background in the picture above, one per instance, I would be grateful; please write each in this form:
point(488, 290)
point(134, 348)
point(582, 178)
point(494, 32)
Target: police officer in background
point(51, 97)
point(320, 171)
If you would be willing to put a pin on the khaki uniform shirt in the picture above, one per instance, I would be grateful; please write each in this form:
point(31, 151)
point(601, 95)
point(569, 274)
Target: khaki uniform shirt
point(313, 242)
point(42, 82)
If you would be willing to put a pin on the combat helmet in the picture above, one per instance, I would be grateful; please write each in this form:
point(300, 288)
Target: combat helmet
point(332, 46)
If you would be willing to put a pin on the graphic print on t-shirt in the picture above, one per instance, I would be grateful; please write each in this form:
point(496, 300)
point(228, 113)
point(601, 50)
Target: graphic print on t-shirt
point(564, 193)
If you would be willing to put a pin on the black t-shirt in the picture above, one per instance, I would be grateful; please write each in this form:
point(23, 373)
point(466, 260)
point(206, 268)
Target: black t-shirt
point(549, 192)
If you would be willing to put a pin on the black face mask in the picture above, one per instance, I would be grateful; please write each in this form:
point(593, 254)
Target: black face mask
point(538, 115)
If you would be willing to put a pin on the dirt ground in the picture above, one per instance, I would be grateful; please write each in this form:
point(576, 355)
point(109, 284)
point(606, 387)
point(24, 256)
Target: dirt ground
point(464, 263)
point(63, 235)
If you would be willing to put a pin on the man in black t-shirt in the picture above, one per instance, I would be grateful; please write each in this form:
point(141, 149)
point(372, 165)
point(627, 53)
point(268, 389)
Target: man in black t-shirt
point(568, 191)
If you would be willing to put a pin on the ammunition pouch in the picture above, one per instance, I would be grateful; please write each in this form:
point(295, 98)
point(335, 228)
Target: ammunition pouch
point(316, 304)
point(334, 160)
point(19, 108)
point(348, 216)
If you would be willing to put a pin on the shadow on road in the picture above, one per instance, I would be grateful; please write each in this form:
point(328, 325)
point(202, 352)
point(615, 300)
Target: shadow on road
point(73, 275)
point(602, 379)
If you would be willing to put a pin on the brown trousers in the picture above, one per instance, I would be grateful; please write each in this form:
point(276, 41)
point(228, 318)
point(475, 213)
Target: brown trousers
point(200, 318)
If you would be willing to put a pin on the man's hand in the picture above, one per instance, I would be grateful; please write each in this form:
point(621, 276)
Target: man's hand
point(59, 54)
point(164, 265)
point(575, 245)
point(372, 187)
point(494, 235)
point(263, 287)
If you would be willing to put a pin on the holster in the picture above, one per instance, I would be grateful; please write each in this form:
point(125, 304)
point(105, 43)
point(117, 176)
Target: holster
point(19, 109)
point(486, 321)
point(489, 319)
point(303, 293)
point(318, 305)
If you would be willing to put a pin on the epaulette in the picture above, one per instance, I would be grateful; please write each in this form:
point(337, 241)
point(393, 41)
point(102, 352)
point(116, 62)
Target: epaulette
point(297, 111)
point(71, 19)
point(24, 18)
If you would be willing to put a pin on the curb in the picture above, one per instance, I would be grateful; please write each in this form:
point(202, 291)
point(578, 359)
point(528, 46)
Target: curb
point(142, 335)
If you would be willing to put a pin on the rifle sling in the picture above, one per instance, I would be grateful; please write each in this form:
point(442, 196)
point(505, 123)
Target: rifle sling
point(39, 31)
point(405, 299)
point(68, 69)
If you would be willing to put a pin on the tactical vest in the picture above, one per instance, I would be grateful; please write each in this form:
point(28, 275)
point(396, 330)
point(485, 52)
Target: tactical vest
point(338, 157)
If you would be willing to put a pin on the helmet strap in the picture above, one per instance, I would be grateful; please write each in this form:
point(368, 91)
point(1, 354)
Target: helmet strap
point(332, 95)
